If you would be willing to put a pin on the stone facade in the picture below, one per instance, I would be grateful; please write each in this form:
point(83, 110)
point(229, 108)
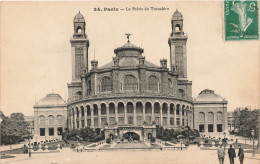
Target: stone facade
point(210, 113)
point(129, 90)
point(50, 117)
point(131, 94)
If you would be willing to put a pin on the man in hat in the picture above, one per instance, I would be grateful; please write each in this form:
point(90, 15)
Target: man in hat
point(231, 154)
point(241, 154)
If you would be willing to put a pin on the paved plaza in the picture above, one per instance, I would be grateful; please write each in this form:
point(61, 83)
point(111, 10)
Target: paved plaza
point(191, 156)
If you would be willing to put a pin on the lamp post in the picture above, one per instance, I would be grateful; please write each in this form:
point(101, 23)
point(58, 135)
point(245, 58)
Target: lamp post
point(224, 134)
point(245, 138)
point(30, 133)
point(253, 135)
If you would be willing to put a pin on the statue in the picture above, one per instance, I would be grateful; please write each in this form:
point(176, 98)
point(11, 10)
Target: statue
point(127, 36)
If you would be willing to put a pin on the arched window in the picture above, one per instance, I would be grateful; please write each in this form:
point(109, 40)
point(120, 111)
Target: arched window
point(153, 83)
point(181, 93)
point(130, 83)
point(201, 116)
point(210, 116)
point(51, 120)
point(59, 118)
point(42, 120)
point(219, 116)
point(106, 84)
point(169, 83)
point(177, 27)
point(89, 87)
point(79, 30)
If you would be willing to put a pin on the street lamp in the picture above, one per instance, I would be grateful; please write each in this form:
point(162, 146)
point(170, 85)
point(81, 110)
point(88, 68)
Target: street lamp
point(253, 135)
point(224, 134)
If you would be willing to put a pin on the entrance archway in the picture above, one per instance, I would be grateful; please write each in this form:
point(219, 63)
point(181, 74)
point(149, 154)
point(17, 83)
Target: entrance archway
point(131, 136)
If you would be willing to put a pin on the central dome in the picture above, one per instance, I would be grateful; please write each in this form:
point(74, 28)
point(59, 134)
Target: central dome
point(209, 95)
point(128, 49)
point(51, 99)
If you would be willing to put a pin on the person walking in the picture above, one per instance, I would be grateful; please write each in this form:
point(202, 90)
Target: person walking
point(231, 154)
point(221, 154)
point(240, 154)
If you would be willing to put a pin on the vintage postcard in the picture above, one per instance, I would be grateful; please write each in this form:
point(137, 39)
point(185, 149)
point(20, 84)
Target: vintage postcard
point(130, 82)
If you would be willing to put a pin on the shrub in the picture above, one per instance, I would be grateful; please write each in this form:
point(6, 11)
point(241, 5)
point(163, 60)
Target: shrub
point(152, 139)
point(206, 141)
point(108, 140)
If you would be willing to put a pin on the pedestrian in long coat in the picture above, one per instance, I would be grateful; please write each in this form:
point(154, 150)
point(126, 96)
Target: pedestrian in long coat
point(231, 154)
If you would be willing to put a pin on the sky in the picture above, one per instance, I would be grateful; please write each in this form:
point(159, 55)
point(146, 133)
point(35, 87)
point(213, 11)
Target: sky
point(36, 52)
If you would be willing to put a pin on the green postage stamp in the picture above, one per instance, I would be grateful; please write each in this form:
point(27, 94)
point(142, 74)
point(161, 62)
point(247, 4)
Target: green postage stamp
point(241, 20)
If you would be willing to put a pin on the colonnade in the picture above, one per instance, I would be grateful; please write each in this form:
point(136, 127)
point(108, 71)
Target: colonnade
point(130, 114)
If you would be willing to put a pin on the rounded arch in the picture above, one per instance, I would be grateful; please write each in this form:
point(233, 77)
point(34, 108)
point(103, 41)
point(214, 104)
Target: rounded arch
point(181, 93)
point(170, 83)
point(95, 109)
point(183, 110)
point(219, 116)
point(112, 108)
point(88, 110)
point(106, 84)
point(50, 119)
point(157, 107)
point(153, 83)
point(130, 107)
point(121, 107)
point(148, 107)
point(130, 82)
point(210, 116)
point(165, 108)
point(139, 107)
point(103, 108)
point(201, 116)
point(42, 120)
point(177, 27)
point(172, 107)
point(82, 111)
point(77, 112)
point(59, 119)
point(178, 107)
point(78, 30)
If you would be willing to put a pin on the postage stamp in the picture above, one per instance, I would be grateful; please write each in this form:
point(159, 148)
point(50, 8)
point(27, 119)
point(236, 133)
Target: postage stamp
point(241, 20)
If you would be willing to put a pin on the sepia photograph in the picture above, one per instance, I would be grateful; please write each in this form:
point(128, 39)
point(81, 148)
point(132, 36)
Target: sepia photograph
point(130, 82)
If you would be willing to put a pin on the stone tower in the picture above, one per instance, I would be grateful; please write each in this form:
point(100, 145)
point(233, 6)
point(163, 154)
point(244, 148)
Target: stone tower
point(177, 42)
point(79, 48)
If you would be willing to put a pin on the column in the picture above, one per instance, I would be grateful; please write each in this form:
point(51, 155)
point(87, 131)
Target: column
point(85, 117)
point(134, 114)
point(168, 116)
point(71, 120)
point(144, 113)
point(107, 112)
point(175, 118)
point(99, 116)
point(152, 112)
point(75, 119)
point(206, 122)
point(92, 117)
point(214, 123)
point(125, 115)
point(80, 116)
point(161, 119)
point(187, 117)
point(181, 116)
point(116, 114)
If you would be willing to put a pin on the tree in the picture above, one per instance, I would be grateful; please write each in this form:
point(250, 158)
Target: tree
point(14, 129)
